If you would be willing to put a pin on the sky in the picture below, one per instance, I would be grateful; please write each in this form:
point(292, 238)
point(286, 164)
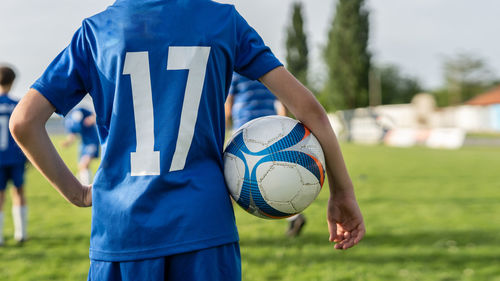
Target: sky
point(414, 35)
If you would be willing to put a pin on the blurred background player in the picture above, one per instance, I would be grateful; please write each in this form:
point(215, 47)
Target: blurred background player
point(12, 160)
point(250, 99)
point(81, 122)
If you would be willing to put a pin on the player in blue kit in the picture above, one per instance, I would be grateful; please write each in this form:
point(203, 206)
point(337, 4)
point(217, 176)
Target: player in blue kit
point(158, 73)
point(81, 122)
point(12, 161)
point(250, 99)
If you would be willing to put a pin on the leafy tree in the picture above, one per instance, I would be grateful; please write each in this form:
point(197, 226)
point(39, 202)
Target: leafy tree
point(466, 75)
point(347, 57)
point(296, 45)
point(395, 86)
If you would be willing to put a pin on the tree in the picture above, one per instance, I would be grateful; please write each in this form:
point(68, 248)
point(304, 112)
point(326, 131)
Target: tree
point(296, 45)
point(466, 75)
point(347, 57)
point(395, 86)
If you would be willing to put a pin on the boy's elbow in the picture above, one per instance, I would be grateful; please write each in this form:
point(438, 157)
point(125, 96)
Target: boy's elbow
point(312, 111)
point(15, 127)
point(29, 116)
point(20, 127)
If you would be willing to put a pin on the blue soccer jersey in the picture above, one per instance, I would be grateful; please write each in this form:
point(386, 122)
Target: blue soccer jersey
point(251, 99)
point(75, 124)
point(158, 73)
point(10, 153)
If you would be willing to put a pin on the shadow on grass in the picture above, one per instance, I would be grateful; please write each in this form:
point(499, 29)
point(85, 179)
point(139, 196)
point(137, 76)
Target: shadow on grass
point(432, 252)
point(40, 247)
point(436, 261)
point(451, 248)
point(58, 240)
point(432, 201)
point(437, 238)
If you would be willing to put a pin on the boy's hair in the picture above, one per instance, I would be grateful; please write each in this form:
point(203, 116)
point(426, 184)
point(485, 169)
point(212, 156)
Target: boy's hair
point(7, 76)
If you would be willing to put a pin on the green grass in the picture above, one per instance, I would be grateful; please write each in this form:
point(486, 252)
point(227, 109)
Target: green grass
point(430, 215)
point(484, 135)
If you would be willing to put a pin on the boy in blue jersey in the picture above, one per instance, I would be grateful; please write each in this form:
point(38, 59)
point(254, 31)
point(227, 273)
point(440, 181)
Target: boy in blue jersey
point(12, 161)
point(250, 99)
point(81, 122)
point(158, 73)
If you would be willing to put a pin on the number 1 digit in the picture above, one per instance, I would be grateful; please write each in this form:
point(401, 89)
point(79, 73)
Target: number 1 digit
point(145, 161)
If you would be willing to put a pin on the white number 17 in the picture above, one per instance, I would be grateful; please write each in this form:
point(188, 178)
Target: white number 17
point(145, 160)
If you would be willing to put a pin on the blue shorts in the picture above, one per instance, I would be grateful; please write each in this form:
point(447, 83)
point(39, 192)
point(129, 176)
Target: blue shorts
point(222, 263)
point(13, 172)
point(91, 150)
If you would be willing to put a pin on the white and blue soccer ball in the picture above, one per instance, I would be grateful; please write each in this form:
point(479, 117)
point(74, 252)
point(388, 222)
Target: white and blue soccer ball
point(274, 167)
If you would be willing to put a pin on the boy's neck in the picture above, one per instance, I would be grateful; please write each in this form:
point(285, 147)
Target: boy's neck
point(4, 90)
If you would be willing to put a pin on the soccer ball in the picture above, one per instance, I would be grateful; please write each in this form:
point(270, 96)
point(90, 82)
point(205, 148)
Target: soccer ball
point(274, 167)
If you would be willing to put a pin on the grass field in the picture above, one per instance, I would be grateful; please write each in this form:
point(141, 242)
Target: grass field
point(430, 215)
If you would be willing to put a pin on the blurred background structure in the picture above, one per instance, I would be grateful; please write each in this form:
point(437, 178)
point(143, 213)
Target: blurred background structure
point(370, 54)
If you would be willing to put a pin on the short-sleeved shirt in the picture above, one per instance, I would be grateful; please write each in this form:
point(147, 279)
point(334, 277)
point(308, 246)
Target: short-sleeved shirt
point(10, 153)
point(158, 73)
point(251, 99)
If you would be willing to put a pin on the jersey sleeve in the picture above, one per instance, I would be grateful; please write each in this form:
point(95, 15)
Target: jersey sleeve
point(253, 58)
point(64, 82)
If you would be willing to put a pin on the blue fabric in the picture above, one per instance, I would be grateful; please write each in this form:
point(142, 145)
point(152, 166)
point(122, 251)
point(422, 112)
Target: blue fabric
point(139, 217)
point(75, 124)
point(13, 172)
point(10, 153)
point(251, 99)
point(90, 150)
point(222, 263)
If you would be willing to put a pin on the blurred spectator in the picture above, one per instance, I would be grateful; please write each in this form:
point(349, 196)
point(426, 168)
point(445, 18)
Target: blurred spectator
point(81, 122)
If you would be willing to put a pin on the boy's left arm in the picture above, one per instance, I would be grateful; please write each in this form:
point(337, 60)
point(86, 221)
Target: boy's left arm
point(345, 221)
point(27, 125)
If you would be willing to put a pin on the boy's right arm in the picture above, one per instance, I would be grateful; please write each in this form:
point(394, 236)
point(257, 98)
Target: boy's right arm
point(345, 222)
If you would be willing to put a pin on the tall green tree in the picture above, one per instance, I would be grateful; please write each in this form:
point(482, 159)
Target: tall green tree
point(347, 57)
point(395, 86)
point(296, 45)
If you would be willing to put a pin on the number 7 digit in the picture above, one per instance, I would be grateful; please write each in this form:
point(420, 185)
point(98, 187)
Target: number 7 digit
point(195, 59)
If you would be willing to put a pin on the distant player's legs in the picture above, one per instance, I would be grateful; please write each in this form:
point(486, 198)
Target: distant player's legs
point(19, 207)
point(3, 185)
point(19, 214)
point(295, 225)
point(84, 173)
point(87, 154)
point(2, 198)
